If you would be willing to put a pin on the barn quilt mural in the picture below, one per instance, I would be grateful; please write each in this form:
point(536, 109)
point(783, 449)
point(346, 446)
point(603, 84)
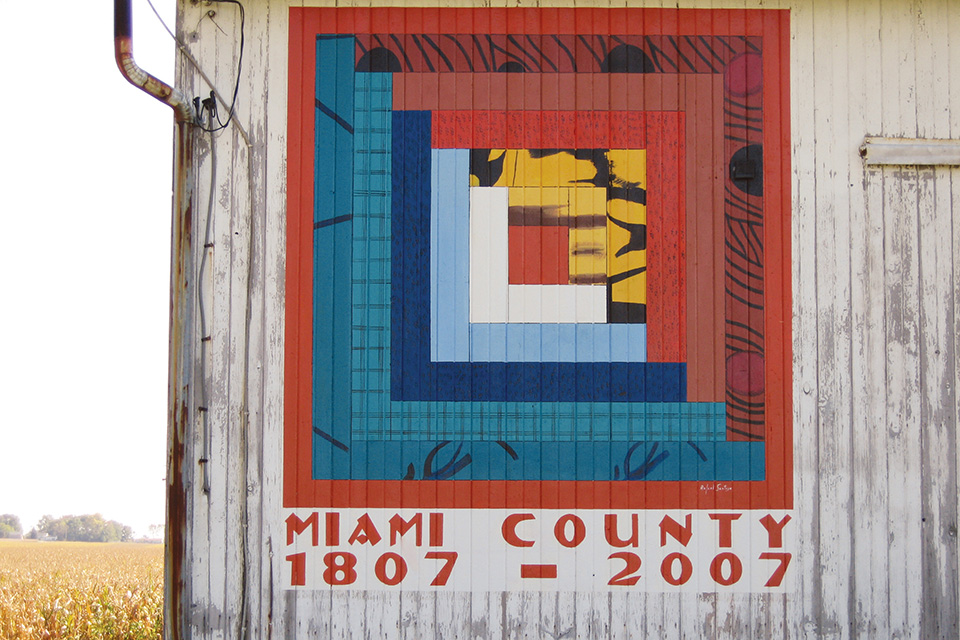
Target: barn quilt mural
point(538, 259)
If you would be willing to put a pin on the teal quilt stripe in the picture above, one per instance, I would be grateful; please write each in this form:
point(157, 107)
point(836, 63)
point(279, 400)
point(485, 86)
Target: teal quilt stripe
point(332, 255)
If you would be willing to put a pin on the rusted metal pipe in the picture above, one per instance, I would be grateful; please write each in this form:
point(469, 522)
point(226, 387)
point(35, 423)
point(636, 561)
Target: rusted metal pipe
point(123, 46)
point(180, 375)
point(182, 287)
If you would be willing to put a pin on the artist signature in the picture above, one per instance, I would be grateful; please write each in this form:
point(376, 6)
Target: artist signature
point(716, 486)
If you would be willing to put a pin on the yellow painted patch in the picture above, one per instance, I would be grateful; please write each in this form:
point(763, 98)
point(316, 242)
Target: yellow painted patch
point(520, 169)
point(628, 169)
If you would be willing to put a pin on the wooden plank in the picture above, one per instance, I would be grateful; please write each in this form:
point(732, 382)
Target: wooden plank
point(383, 613)
point(339, 623)
point(954, 326)
point(273, 616)
point(950, 55)
point(806, 452)
point(951, 187)
point(938, 442)
point(938, 406)
point(903, 324)
point(868, 379)
point(453, 614)
point(889, 103)
point(240, 563)
point(833, 322)
point(197, 515)
point(247, 556)
point(903, 412)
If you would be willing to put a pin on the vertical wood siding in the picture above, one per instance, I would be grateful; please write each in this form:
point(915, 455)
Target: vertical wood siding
point(875, 326)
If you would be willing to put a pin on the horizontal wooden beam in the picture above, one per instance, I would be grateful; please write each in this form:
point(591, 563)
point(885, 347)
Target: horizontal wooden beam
point(910, 151)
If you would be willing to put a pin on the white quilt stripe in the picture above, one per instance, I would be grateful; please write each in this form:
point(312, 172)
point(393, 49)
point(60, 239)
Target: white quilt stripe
point(493, 299)
point(556, 303)
point(488, 254)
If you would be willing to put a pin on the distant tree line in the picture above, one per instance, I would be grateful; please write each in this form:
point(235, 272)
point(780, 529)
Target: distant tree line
point(10, 526)
point(87, 528)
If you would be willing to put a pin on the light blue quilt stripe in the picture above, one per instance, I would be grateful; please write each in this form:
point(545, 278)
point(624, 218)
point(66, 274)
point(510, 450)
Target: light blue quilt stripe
point(449, 275)
point(454, 339)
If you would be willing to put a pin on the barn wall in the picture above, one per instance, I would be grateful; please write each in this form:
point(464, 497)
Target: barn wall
point(875, 328)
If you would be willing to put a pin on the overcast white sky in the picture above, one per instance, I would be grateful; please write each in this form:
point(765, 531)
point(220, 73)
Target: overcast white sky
point(85, 175)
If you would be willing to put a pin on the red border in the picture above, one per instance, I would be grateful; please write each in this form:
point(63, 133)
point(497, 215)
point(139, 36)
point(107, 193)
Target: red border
point(300, 490)
point(533, 129)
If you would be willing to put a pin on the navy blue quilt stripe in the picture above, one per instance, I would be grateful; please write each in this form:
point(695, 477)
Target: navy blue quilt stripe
point(414, 377)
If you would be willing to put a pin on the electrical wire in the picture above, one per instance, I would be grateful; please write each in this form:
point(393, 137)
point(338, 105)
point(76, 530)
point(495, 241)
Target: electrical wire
point(204, 337)
point(236, 86)
point(156, 13)
point(193, 61)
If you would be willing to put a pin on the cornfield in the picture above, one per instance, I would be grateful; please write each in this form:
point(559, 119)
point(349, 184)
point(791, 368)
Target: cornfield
point(80, 590)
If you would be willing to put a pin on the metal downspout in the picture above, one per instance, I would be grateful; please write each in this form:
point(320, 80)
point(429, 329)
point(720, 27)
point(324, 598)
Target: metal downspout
point(181, 321)
point(123, 44)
